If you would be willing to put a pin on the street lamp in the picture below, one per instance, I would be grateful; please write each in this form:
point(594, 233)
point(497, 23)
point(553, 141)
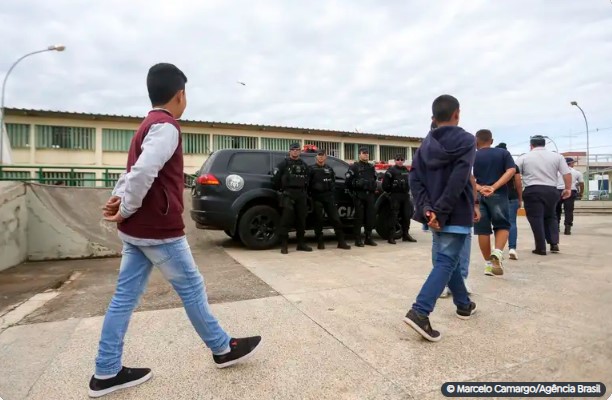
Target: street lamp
point(574, 103)
point(552, 141)
point(57, 47)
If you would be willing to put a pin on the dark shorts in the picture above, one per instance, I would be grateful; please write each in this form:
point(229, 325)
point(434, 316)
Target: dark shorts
point(494, 212)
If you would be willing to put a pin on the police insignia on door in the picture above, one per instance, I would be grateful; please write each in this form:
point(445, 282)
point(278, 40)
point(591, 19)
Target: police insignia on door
point(234, 183)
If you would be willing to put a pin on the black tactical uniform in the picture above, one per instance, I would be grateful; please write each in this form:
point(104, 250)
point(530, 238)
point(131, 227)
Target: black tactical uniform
point(321, 185)
point(361, 183)
point(395, 183)
point(291, 179)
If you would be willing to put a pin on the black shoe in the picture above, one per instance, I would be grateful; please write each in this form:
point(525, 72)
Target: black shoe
point(359, 242)
point(422, 326)
point(303, 247)
point(127, 377)
point(284, 250)
point(391, 240)
point(568, 230)
point(554, 248)
point(408, 238)
point(369, 241)
point(320, 244)
point(466, 312)
point(539, 252)
point(240, 350)
point(344, 246)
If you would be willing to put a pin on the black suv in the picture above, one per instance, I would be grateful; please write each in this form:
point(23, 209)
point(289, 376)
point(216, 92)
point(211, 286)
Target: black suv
point(233, 192)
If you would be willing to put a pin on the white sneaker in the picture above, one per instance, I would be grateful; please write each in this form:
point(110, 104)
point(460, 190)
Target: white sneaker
point(445, 293)
point(513, 255)
point(497, 257)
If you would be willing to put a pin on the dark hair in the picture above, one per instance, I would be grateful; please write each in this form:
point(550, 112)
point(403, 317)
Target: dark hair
point(484, 136)
point(163, 82)
point(443, 107)
point(537, 141)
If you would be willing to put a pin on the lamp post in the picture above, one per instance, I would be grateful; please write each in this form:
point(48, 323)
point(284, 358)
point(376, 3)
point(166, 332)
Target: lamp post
point(57, 47)
point(588, 176)
point(552, 141)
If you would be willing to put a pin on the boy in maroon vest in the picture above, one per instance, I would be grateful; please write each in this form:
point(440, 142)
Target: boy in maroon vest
point(147, 205)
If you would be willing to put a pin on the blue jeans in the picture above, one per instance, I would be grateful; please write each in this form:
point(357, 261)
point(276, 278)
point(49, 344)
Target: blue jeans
point(464, 256)
point(513, 207)
point(445, 272)
point(178, 266)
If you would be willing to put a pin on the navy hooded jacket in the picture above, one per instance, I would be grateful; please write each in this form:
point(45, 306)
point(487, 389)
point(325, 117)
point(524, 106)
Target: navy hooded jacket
point(440, 177)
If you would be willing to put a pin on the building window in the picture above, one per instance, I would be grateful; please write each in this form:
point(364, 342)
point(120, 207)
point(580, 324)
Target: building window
point(19, 135)
point(234, 142)
point(351, 150)
point(331, 148)
point(65, 137)
point(196, 143)
point(389, 152)
point(117, 139)
point(277, 144)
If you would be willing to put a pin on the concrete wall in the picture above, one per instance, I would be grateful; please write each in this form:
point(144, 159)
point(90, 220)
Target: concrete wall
point(13, 224)
point(42, 222)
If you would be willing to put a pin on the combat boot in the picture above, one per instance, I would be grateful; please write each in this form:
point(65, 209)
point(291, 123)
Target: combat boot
point(341, 241)
point(358, 241)
point(303, 247)
point(568, 230)
point(320, 242)
point(391, 238)
point(369, 241)
point(407, 238)
point(284, 249)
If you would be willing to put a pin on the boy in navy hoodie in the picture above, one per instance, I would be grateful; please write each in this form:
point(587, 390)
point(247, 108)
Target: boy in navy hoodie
point(444, 200)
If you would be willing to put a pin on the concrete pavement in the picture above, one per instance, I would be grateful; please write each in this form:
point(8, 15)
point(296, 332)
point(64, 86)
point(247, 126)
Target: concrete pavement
point(336, 330)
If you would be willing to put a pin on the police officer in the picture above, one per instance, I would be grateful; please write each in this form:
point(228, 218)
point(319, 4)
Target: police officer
point(290, 179)
point(577, 187)
point(395, 183)
point(361, 184)
point(321, 185)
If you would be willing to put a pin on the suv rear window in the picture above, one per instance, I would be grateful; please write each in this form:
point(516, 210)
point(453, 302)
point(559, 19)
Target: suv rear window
point(251, 163)
point(207, 164)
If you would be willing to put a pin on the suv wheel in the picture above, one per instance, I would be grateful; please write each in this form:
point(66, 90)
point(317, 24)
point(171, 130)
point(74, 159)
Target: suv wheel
point(383, 225)
point(258, 227)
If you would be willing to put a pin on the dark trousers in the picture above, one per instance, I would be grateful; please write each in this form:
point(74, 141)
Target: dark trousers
point(325, 204)
point(364, 213)
point(540, 206)
point(401, 205)
point(294, 209)
point(568, 206)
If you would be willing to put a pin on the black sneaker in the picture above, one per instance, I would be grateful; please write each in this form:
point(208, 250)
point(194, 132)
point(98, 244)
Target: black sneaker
point(240, 350)
point(466, 312)
point(554, 248)
point(127, 377)
point(422, 326)
point(539, 252)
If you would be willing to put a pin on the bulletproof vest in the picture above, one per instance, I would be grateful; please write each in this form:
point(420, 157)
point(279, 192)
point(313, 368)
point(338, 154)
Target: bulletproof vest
point(399, 176)
point(365, 176)
point(322, 179)
point(295, 175)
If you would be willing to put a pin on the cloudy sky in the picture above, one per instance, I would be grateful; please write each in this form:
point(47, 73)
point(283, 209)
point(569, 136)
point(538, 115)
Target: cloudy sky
point(367, 65)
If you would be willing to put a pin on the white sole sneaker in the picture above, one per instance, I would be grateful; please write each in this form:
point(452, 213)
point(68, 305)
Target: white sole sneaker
point(496, 261)
point(241, 359)
point(513, 255)
point(100, 393)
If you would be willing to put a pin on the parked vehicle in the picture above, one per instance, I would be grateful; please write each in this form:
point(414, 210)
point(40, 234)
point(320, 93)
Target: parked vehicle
point(233, 192)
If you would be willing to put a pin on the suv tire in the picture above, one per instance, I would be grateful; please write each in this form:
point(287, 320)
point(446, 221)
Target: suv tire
point(258, 227)
point(383, 225)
